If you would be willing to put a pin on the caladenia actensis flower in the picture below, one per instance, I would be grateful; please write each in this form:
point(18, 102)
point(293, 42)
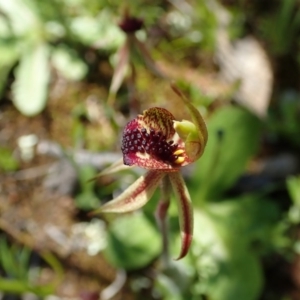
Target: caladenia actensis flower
point(157, 142)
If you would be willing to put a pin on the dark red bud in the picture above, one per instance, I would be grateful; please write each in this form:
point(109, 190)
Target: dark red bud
point(131, 24)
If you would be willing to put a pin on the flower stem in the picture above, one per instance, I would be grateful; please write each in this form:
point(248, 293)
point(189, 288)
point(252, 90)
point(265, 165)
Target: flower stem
point(161, 218)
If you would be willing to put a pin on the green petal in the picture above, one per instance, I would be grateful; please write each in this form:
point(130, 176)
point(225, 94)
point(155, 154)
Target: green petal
point(185, 212)
point(194, 134)
point(135, 196)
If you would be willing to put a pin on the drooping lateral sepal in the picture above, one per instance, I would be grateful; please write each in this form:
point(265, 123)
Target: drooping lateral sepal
point(135, 196)
point(185, 212)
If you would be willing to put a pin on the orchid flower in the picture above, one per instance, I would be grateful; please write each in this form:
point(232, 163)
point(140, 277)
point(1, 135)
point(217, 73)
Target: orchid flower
point(157, 142)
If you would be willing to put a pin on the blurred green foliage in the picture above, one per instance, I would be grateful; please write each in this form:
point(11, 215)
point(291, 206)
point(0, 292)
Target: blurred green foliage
point(129, 248)
point(18, 276)
point(7, 161)
point(87, 199)
point(284, 119)
point(38, 35)
point(281, 28)
point(233, 139)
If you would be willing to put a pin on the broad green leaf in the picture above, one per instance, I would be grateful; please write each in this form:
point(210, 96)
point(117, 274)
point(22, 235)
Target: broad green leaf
point(69, 64)
point(233, 138)
point(102, 31)
point(248, 217)
point(32, 78)
point(240, 277)
point(22, 15)
point(227, 263)
point(133, 242)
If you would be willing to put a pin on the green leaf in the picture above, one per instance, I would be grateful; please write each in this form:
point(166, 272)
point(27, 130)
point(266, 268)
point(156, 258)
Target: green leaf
point(176, 280)
point(8, 57)
point(6, 257)
point(133, 242)
point(85, 173)
point(8, 53)
point(240, 277)
point(32, 79)
point(293, 186)
point(67, 62)
point(22, 15)
point(7, 161)
point(168, 288)
point(87, 198)
point(13, 286)
point(23, 262)
point(14, 261)
point(233, 138)
point(102, 32)
point(227, 263)
point(248, 217)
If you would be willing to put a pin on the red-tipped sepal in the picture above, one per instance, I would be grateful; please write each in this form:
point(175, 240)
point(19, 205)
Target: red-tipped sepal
point(135, 196)
point(185, 212)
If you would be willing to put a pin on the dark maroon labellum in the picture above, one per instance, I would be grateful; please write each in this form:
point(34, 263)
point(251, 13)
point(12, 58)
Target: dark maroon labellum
point(153, 143)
